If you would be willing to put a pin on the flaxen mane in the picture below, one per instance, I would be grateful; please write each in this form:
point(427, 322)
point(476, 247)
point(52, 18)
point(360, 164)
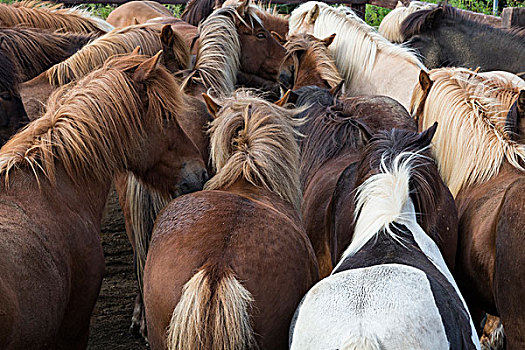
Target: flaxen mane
point(102, 111)
point(48, 15)
point(356, 44)
point(218, 58)
point(391, 23)
point(471, 143)
point(36, 50)
point(254, 140)
point(325, 63)
point(119, 41)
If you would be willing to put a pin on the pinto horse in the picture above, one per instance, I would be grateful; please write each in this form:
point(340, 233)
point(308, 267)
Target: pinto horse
point(392, 288)
point(56, 174)
point(483, 165)
point(447, 37)
point(12, 113)
point(48, 15)
point(369, 64)
point(227, 266)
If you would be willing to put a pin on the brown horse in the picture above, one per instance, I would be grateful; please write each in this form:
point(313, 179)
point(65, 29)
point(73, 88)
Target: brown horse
point(206, 279)
point(12, 112)
point(36, 91)
point(134, 12)
point(48, 15)
point(483, 166)
point(37, 50)
point(56, 174)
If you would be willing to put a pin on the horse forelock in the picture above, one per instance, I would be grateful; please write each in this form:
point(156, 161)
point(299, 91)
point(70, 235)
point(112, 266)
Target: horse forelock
point(43, 14)
point(320, 53)
point(94, 54)
point(255, 141)
point(92, 127)
point(471, 142)
point(356, 44)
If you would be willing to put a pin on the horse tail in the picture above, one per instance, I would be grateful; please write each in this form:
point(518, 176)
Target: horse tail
point(362, 341)
point(213, 313)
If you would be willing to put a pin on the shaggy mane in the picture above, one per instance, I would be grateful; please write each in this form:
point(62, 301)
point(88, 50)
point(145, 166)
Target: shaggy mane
point(36, 50)
point(93, 126)
point(321, 54)
point(48, 15)
point(254, 140)
point(198, 10)
point(356, 44)
point(119, 41)
point(471, 142)
point(390, 26)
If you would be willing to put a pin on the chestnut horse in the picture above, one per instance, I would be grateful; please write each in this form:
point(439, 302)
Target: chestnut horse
point(369, 64)
point(228, 266)
point(134, 12)
point(392, 288)
point(48, 15)
point(56, 174)
point(483, 165)
point(12, 112)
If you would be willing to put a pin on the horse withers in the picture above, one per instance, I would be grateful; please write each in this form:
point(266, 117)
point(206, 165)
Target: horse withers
point(227, 266)
point(392, 288)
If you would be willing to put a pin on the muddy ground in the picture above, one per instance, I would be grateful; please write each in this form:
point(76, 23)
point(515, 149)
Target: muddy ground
point(112, 315)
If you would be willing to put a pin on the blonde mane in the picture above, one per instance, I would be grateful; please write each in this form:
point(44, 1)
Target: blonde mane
point(391, 23)
point(254, 140)
point(218, 58)
point(356, 44)
point(119, 41)
point(48, 15)
point(93, 127)
point(321, 54)
point(471, 142)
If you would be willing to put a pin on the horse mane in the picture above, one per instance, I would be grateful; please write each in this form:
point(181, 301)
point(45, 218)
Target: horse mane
point(254, 140)
point(393, 172)
point(48, 15)
point(356, 44)
point(36, 50)
point(424, 20)
point(92, 127)
point(9, 78)
point(119, 41)
point(471, 143)
point(198, 10)
point(328, 133)
point(325, 63)
point(218, 58)
point(391, 23)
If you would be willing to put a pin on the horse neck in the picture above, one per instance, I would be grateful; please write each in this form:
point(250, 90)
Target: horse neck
point(35, 93)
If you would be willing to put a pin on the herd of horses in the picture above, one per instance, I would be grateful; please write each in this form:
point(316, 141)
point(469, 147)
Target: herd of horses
point(300, 181)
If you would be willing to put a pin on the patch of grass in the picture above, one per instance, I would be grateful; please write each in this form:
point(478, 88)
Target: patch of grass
point(99, 10)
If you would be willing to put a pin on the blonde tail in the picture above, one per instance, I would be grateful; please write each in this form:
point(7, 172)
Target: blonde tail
point(212, 314)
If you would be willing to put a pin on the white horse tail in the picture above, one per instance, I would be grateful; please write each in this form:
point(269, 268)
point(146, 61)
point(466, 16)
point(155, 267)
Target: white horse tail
point(363, 340)
point(213, 313)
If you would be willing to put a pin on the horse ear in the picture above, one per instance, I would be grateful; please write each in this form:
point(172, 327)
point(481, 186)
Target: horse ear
point(147, 67)
point(399, 4)
point(135, 21)
point(313, 14)
point(432, 17)
point(212, 106)
point(166, 35)
point(241, 9)
point(136, 51)
point(283, 100)
point(278, 37)
point(338, 89)
point(424, 81)
point(426, 136)
point(327, 41)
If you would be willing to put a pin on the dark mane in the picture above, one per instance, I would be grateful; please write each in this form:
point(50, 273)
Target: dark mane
point(384, 146)
point(512, 121)
point(198, 10)
point(424, 20)
point(9, 78)
point(36, 50)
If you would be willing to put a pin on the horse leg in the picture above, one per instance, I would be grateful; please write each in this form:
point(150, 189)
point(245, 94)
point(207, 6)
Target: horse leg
point(509, 274)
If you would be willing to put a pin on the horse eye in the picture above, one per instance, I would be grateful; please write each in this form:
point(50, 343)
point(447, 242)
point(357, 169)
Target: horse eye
point(5, 96)
point(261, 36)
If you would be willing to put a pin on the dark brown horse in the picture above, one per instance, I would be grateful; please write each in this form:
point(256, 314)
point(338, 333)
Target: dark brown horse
point(56, 175)
point(228, 266)
point(12, 112)
point(37, 50)
point(484, 167)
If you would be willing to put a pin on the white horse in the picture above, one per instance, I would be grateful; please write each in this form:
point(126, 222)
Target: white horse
point(392, 288)
point(370, 64)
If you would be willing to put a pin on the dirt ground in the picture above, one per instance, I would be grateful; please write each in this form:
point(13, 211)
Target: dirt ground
point(112, 315)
